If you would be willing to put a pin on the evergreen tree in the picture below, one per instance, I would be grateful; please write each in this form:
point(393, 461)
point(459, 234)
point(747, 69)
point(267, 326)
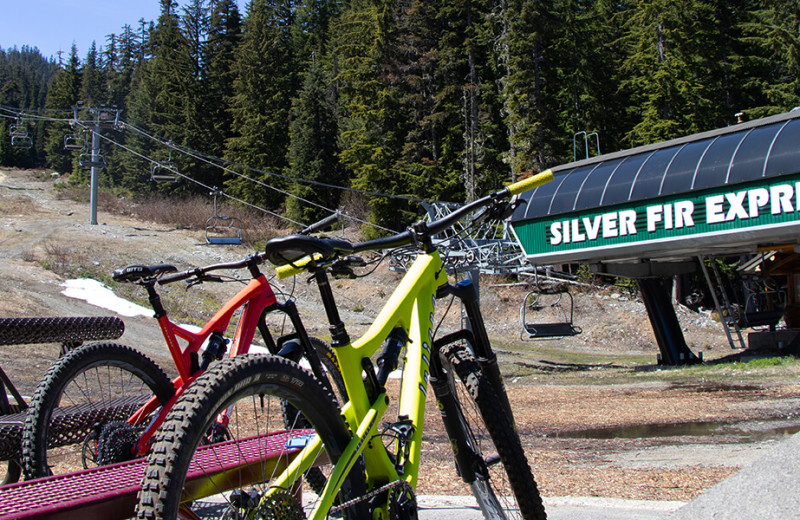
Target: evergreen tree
point(195, 24)
point(61, 96)
point(160, 95)
point(92, 91)
point(415, 52)
point(311, 31)
point(529, 29)
point(769, 70)
point(265, 83)
point(312, 151)
point(368, 129)
point(24, 79)
point(585, 98)
point(666, 71)
point(224, 35)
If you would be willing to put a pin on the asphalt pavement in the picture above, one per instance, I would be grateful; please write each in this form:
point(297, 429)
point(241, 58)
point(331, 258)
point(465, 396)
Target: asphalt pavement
point(557, 508)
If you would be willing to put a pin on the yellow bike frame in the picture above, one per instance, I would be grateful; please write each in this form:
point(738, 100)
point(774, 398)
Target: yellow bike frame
point(410, 307)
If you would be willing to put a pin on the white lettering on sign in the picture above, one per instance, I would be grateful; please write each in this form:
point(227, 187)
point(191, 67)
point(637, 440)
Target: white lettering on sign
point(749, 204)
point(670, 216)
point(742, 205)
point(607, 225)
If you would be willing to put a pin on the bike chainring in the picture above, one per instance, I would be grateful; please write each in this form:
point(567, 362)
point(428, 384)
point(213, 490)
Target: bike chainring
point(115, 443)
point(402, 502)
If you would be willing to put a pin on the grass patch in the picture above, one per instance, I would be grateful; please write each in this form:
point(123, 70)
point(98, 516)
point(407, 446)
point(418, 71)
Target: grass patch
point(190, 212)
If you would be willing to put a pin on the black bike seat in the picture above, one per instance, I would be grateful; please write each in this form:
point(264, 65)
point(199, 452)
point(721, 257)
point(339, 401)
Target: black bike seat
point(288, 249)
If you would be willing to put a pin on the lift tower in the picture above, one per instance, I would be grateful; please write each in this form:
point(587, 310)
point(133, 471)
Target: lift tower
point(96, 118)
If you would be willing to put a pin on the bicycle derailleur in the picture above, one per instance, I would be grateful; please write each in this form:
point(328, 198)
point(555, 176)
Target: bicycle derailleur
point(250, 504)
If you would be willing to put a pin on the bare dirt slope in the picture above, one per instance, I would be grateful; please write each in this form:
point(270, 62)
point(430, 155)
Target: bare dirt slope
point(595, 414)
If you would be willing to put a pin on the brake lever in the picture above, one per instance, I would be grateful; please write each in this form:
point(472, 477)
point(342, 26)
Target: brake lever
point(204, 278)
point(343, 268)
point(500, 210)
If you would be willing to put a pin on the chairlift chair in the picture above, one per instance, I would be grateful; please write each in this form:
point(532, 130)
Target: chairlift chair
point(222, 230)
point(163, 171)
point(85, 160)
point(74, 142)
point(763, 309)
point(554, 307)
point(18, 129)
point(21, 141)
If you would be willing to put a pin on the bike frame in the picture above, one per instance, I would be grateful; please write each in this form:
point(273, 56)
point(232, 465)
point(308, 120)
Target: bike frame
point(255, 299)
point(411, 308)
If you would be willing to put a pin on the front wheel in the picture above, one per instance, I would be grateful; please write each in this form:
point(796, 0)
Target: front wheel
point(192, 475)
point(85, 397)
point(503, 483)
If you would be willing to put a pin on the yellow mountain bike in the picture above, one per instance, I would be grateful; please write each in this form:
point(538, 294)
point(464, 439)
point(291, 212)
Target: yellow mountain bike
point(291, 452)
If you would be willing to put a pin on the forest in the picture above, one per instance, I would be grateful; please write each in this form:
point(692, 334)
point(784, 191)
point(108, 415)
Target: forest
point(300, 107)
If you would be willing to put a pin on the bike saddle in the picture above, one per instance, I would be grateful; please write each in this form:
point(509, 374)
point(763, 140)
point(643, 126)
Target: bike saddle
point(288, 249)
point(135, 273)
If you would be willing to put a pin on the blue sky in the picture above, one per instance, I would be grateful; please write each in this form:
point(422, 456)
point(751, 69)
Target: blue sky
point(53, 25)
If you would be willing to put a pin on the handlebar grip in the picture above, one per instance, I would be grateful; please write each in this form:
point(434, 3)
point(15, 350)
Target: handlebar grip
point(531, 182)
point(176, 277)
point(295, 268)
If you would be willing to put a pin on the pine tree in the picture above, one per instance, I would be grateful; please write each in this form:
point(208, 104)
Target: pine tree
point(769, 68)
point(195, 26)
point(415, 51)
point(159, 96)
point(369, 130)
point(529, 29)
point(61, 96)
point(24, 79)
point(224, 36)
point(585, 98)
point(667, 73)
point(92, 91)
point(266, 81)
point(313, 152)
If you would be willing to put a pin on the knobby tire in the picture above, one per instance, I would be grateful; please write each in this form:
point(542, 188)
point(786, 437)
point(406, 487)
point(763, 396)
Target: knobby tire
point(253, 388)
point(85, 379)
point(510, 491)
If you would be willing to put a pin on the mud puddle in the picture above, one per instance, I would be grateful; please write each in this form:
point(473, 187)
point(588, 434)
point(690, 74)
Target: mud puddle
point(749, 431)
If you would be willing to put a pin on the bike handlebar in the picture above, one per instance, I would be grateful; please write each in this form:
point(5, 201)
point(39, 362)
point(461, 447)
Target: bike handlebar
point(433, 228)
point(200, 271)
point(437, 226)
point(322, 224)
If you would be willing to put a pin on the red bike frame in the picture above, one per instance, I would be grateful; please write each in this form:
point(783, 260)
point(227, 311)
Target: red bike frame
point(254, 299)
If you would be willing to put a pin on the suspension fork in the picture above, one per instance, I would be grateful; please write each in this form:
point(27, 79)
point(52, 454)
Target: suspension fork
point(454, 425)
point(477, 338)
point(290, 309)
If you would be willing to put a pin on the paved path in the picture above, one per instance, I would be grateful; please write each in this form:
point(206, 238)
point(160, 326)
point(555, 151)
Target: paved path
point(558, 508)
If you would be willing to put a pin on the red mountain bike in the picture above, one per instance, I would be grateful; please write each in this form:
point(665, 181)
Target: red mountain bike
point(102, 403)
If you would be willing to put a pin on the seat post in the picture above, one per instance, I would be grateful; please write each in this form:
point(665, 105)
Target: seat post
point(339, 335)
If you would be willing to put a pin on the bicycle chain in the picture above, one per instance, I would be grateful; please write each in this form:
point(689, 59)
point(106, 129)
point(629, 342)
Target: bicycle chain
point(375, 492)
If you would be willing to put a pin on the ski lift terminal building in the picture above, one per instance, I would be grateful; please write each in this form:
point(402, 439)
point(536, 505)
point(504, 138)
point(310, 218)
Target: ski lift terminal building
point(656, 211)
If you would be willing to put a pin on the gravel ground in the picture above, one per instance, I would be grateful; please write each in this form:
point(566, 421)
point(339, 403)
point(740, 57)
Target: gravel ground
point(596, 416)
